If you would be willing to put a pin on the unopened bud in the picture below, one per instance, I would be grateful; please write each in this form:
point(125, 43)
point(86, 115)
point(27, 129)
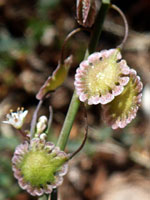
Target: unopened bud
point(43, 119)
point(41, 125)
point(43, 136)
point(86, 12)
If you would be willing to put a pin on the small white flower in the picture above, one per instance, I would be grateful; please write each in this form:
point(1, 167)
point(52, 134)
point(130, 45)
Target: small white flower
point(16, 119)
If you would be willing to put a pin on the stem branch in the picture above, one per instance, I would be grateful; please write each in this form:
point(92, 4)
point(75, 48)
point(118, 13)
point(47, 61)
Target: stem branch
point(125, 25)
point(98, 26)
point(73, 108)
point(34, 119)
point(85, 136)
point(74, 105)
point(66, 40)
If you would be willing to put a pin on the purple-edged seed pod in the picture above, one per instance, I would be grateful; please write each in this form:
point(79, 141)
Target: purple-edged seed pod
point(122, 110)
point(39, 166)
point(101, 77)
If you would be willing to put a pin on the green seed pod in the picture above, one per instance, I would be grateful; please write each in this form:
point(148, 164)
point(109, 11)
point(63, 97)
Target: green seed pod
point(39, 166)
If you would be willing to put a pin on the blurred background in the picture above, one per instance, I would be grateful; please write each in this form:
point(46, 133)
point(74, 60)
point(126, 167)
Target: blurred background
point(114, 165)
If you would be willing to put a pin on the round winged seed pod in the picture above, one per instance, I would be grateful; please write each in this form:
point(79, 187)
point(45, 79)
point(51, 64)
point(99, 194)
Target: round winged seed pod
point(39, 166)
point(101, 77)
point(124, 107)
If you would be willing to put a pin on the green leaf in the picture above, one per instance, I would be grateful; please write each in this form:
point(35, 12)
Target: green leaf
point(57, 78)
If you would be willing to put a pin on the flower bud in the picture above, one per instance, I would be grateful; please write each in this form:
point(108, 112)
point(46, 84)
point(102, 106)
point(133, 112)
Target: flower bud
point(41, 125)
point(43, 119)
point(86, 12)
point(16, 119)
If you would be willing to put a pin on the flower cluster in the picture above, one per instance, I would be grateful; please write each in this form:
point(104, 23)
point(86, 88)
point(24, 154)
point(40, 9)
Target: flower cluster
point(105, 78)
point(38, 164)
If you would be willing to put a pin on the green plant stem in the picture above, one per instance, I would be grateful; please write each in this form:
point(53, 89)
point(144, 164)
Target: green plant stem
point(74, 105)
point(72, 111)
point(98, 26)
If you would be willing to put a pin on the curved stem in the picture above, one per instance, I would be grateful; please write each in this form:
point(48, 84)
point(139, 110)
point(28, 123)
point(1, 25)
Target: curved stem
point(23, 133)
point(74, 105)
point(66, 40)
point(73, 108)
point(125, 24)
point(85, 136)
point(50, 119)
point(34, 119)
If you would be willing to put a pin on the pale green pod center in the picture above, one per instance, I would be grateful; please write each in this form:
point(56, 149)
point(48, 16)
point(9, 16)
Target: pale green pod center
point(39, 168)
point(102, 76)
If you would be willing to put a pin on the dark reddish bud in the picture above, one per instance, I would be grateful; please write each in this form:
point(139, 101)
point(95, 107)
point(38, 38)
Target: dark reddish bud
point(86, 12)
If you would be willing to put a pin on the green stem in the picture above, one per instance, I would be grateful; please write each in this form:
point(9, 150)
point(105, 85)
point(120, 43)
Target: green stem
point(73, 108)
point(98, 26)
point(74, 105)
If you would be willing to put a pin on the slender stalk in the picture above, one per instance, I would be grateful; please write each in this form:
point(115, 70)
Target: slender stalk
point(24, 134)
point(73, 108)
point(85, 136)
point(98, 26)
point(50, 119)
point(126, 29)
point(34, 119)
point(74, 105)
point(72, 33)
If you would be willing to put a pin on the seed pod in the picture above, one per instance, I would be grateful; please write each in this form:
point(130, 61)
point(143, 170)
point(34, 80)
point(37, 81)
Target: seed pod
point(122, 110)
point(101, 77)
point(39, 166)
